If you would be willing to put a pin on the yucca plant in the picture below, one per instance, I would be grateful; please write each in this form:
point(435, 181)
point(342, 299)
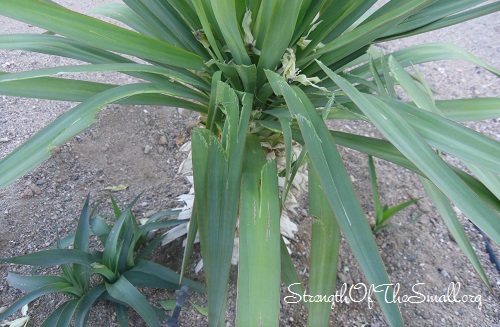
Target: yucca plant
point(382, 211)
point(273, 71)
point(120, 268)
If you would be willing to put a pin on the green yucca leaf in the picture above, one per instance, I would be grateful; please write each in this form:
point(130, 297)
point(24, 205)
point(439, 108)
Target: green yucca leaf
point(337, 188)
point(463, 110)
point(211, 221)
point(425, 53)
point(49, 288)
point(432, 13)
point(53, 258)
point(308, 11)
point(349, 42)
point(335, 19)
point(170, 23)
point(406, 139)
point(121, 315)
point(207, 28)
point(325, 246)
point(81, 242)
point(86, 302)
point(63, 315)
point(125, 15)
point(32, 283)
point(289, 274)
point(98, 33)
point(421, 98)
point(450, 219)
point(490, 179)
point(190, 238)
point(39, 147)
point(261, 17)
point(116, 240)
point(259, 264)
point(124, 291)
point(278, 32)
point(414, 26)
point(60, 46)
point(385, 150)
point(170, 75)
point(79, 91)
point(449, 136)
point(149, 274)
point(225, 14)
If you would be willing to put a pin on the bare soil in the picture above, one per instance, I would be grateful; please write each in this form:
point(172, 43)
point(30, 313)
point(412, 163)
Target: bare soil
point(418, 249)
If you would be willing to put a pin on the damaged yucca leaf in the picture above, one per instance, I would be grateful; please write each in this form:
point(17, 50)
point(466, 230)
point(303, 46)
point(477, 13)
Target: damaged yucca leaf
point(264, 76)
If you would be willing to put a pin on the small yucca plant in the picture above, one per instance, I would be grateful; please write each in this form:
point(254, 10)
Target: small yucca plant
point(270, 72)
point(120, 268)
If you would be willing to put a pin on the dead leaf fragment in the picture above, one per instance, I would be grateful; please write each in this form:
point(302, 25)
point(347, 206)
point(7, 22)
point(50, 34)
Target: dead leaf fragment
point(116, 188)
point(179, 140)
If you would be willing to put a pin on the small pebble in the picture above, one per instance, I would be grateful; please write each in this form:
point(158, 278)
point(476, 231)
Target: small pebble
point(35, 189)
point(163, 140)
point(161, 149)
point(147, 149)
point(149, 213)
point(411, 257)
point(28, 193)
point(445, 274)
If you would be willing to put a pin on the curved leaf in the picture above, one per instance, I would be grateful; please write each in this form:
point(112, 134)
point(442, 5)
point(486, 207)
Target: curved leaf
point(404, 137)
point(86, 303)
point(73, 122)
point(170, 75)
point(53, 258)
point(450, 219)
point(97, 33)
point(338, 189)
point(51, 288)
point(32, 283)
point(126, 292)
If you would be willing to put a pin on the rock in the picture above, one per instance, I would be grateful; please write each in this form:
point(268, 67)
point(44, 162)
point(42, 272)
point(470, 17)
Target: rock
point(147, 149)
point(163, 140)
point(161, 149)
point(423, 206)
point(35, 189)
point(411, 257)
point(444, 273)
point(67, 187)
point(149, 213)
point(191, 125)
point(40, 182)
point(344, 278)
point(28, 193)
point(4, 139)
